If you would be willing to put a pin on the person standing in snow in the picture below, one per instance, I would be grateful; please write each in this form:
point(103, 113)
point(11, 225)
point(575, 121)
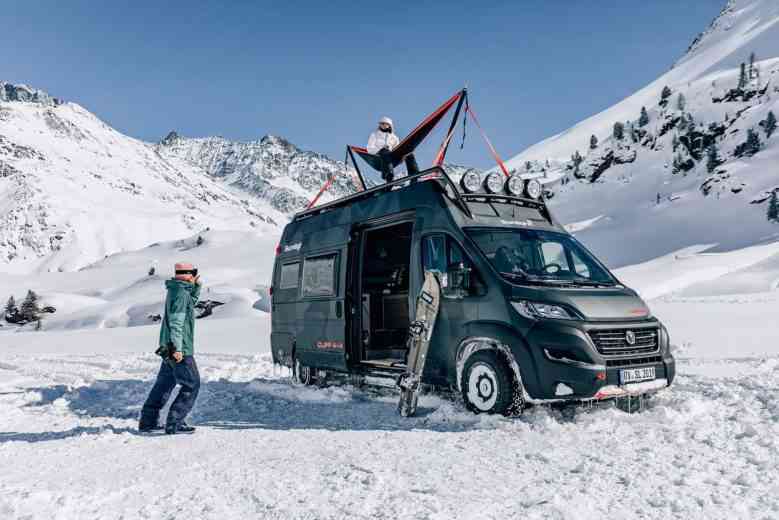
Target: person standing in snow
point(177, 351)
point(381, 142)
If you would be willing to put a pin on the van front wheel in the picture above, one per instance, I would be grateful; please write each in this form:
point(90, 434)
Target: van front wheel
point(487, 384)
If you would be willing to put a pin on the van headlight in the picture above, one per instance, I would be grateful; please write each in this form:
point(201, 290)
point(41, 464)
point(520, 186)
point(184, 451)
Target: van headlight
point(538, 310)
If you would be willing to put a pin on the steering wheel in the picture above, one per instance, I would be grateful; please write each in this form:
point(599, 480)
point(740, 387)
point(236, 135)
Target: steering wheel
point(552, 268)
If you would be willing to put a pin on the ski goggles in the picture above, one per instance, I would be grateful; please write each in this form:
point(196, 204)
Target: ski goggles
point(193, 272)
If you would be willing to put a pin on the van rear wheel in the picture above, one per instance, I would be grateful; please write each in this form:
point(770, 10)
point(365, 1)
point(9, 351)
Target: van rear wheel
point(487, 385)
point(303, 374)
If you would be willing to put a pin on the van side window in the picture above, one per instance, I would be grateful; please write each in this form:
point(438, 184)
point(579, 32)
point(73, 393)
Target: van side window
point(319, 275)
point(434, 253)
point(288, 278)
point(439, 252)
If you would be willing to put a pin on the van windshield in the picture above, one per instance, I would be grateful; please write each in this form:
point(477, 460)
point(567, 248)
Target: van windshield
point(533, 256)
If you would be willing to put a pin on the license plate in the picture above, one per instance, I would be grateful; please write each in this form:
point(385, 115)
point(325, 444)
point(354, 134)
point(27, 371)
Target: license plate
point(633, 375)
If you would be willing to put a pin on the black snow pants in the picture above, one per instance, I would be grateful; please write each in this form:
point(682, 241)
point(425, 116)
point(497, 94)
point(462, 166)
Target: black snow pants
point(387, 170)
point(172, 373)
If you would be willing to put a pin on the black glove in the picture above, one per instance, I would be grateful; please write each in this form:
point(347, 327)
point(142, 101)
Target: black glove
point(166, 351)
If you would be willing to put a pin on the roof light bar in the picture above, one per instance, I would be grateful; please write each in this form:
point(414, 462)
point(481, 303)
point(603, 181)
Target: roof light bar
point(515, 185)
point(493, 183)
point(533, 189)
point(471, 182)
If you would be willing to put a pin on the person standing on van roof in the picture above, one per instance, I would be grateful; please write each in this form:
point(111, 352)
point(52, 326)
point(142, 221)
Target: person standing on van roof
point(381, 142)
point(178, 355)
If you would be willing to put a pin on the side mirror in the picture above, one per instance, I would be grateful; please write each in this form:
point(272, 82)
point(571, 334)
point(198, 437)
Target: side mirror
point(458, 280)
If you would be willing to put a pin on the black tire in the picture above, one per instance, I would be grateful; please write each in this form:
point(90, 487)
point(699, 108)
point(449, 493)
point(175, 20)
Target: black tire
point(487, 384)
point(302, 374)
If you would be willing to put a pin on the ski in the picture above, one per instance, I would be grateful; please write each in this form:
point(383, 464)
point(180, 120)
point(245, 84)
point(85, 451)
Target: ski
point(420, 332)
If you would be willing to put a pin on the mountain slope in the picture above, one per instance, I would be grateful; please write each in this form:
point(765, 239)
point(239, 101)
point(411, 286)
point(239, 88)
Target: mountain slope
point(73, 190)
point(696, 167)
point(272, 169)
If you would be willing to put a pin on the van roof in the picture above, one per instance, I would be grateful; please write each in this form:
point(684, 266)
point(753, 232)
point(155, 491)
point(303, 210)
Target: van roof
point(476, 209)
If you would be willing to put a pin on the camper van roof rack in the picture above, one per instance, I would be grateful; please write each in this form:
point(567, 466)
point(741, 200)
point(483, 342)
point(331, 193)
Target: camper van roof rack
point(436, 173)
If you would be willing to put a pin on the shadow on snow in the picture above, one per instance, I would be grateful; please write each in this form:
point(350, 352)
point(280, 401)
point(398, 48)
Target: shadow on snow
point(265, 404)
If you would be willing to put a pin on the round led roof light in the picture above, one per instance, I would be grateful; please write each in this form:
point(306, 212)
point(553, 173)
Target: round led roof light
point(493, 183)
point(533, 189)
point(515, 185)
point(471, 181)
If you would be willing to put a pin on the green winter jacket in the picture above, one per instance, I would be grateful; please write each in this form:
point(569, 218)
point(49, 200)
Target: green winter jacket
point(178, 324)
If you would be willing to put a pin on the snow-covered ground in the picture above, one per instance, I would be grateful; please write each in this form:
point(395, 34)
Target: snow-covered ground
point(267, 448)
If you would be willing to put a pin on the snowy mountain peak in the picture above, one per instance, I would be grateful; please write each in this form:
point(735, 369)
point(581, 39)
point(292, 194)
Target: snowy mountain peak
point(23, 93)
point(169, 139)
point(741, 23)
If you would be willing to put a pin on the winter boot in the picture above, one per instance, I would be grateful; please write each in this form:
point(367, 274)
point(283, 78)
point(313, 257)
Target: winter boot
point(148, 426)
point(174, 429)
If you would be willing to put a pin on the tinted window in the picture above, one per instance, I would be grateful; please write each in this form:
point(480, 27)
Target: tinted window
point(434, 254)
point(319, 276)
point(539, 256)
point(288, 279)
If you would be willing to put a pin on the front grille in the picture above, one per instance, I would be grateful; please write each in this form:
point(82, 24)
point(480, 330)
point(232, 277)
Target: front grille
point(624, 362)
point(613, 342)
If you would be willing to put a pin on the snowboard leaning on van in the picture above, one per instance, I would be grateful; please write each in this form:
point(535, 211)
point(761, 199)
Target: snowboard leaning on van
point(420, 331)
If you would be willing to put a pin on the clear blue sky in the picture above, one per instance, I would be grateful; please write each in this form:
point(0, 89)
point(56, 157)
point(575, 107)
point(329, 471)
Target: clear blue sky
point(321, 73)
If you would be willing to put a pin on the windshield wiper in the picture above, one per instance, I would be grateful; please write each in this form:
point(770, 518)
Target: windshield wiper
point(586, 282)
point(518, 276)
point(533, 279)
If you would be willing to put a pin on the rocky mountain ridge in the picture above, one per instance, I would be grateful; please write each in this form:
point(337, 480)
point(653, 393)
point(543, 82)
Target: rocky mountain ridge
point(271, 169)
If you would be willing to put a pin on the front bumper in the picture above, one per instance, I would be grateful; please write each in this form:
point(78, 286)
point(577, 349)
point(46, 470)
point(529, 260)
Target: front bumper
point(568, 366)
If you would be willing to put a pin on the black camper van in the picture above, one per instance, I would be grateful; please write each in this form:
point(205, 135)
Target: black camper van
point(527, 314)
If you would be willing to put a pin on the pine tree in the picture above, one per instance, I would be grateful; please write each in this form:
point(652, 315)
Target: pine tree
point(643, 119)
point(30, 309)
point(593, 142)
point(681, 102)
point(619, 131)
point(753, 142)
point(528, 165)
point(675, 142)
point(769, 125)
point(752, 68)
point(664, 95)
point(712, 158)
point(11, 310)
point(773, 208)
point(742, 76)
point(576, 158)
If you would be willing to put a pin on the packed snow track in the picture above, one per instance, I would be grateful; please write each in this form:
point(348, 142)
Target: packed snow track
point(267, 448)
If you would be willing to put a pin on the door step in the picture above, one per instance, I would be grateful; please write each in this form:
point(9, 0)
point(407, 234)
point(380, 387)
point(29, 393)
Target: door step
point(385, 363)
